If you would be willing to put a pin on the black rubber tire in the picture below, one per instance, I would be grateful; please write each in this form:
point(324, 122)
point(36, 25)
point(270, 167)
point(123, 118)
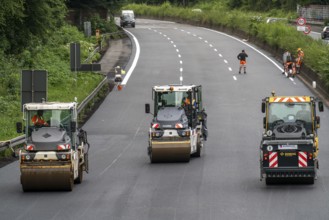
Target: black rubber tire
point(198, 149)
point(70, 187)
point(80, 175)
point(270, 181)
point(309, 180)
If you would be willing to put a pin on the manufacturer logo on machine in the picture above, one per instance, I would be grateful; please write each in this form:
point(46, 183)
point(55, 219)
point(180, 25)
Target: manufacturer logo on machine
point(287, 147)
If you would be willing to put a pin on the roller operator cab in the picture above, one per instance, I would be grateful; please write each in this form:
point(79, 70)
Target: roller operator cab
point(55, 152)
point(178, 129)
point(289, 146)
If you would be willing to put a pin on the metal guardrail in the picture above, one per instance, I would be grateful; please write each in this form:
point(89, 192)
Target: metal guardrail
point(91, 55)
point(21, 139)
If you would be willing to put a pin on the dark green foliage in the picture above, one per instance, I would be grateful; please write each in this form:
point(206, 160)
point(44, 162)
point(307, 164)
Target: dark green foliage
point(28, 23)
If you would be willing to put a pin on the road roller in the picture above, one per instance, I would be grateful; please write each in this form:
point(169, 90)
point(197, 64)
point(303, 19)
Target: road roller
point(55, 152)
point(179, 126)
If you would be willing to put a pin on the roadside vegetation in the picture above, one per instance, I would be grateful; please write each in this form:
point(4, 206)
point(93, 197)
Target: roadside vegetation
point(236, 15)
point(34, 35)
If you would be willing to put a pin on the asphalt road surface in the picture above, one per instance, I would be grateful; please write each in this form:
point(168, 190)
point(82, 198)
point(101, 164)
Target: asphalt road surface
point(222, 184)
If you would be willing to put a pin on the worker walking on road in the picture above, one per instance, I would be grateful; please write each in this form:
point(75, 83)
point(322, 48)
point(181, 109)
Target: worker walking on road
point(286, 58)
point(243, 62)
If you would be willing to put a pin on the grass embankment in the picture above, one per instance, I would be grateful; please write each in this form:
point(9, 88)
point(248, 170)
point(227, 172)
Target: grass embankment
point(63, 85)
point(277, 35)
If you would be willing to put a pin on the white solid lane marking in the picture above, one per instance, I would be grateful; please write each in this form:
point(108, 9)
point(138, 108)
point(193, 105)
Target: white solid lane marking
point(131, 69)
point(258, 51)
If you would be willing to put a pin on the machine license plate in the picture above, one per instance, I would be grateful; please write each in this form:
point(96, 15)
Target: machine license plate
point(287, 147)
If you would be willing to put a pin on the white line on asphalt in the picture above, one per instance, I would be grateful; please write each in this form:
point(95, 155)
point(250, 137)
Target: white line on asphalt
point(181, 62)
point(210, 45)
point(174, 45)
point(215, 50)
point(206, 41)
point(131, 69)
point(188, 32)
point(280, 68)
point(194, 35)
point(179, 56)
point(172, 42)
point(220, 55)
point(165, 35)
point(168, 38)
point(234, 78)
point(225, 61)
point(181, 69)
point(177, 50)
point(230, 69)
point(200, 38)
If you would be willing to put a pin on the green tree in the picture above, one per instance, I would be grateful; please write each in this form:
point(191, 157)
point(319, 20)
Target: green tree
point(25, 23)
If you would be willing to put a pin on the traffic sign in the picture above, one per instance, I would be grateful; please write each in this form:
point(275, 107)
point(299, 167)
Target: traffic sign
point(301, 21)
point(307, 29)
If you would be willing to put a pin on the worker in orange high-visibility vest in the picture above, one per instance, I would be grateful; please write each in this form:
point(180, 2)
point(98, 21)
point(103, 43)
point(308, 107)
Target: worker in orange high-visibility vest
point(299, 60)
point(38, 119)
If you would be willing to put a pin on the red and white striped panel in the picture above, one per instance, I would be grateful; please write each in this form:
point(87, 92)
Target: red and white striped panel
point(290, 99)
point(155, 125)
point(273, 159)
point(302, 159)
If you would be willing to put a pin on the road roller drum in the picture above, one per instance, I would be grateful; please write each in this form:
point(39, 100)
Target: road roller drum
point(47, 178)
point(170, 151)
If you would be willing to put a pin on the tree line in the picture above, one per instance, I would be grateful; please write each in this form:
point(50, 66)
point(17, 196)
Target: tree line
point(28, 23)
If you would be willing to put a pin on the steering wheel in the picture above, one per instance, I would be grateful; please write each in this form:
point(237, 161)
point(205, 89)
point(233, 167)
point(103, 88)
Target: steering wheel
point(277, 122)
point(300, 122)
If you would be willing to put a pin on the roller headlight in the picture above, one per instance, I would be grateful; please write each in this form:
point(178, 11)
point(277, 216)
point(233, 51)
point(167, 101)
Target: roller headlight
point(183, 133)
point(157, 133)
